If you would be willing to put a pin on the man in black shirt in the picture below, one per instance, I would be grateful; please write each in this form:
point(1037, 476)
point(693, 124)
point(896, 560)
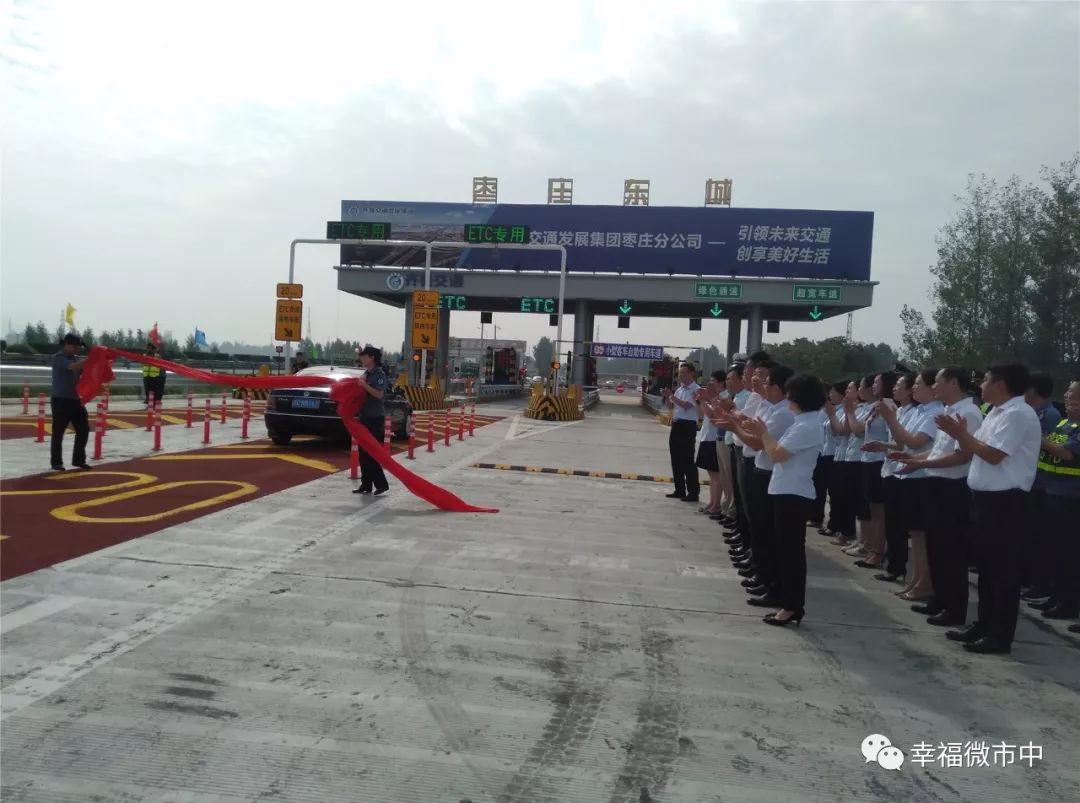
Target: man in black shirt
point(373, 418)
point(66, 407)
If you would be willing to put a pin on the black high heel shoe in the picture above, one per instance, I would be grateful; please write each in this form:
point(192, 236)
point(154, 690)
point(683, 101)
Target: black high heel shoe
point(796, 618)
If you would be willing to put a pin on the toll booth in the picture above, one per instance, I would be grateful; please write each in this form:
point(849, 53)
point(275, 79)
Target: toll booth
point(501, 366)
point(661, 375)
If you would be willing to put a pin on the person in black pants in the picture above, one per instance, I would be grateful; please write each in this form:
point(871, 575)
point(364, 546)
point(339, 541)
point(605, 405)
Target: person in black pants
point(373, 418)
point(683, 437)
point(67, 409)
point(792, 455)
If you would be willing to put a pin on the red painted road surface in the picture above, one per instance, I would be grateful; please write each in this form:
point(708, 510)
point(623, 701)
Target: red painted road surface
point(49, 518)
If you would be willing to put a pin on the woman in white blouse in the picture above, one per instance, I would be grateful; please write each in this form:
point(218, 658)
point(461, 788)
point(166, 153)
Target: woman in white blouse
point(791, 490)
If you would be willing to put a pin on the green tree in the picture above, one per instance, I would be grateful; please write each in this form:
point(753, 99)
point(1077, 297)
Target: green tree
point(87, 335)
point(542, 353)
point(190, 344)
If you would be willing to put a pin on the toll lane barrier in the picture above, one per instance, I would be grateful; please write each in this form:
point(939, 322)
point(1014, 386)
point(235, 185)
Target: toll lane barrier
point(424, 398)
point(553, 408)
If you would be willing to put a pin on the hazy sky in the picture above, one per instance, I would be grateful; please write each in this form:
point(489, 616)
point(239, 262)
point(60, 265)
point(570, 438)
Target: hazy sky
point(159, 157)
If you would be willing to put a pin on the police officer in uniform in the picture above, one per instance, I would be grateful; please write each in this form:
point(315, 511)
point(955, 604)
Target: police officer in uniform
point(153, 378)
point(1058, 478)
point(373, 418)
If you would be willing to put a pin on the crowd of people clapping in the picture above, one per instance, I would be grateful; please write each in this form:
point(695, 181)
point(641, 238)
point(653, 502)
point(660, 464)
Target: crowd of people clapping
point(922, 476)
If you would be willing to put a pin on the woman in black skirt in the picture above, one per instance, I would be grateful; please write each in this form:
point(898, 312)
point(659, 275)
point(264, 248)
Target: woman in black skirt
point(706, 454)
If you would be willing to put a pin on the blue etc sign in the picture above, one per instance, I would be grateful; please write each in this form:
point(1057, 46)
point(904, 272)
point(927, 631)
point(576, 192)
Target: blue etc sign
point(696, 241)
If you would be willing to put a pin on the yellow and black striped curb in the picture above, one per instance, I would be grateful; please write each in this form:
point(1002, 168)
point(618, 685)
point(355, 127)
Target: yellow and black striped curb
point(573, 472)
point(259, 393)
point(424, 398)
point(553, 408)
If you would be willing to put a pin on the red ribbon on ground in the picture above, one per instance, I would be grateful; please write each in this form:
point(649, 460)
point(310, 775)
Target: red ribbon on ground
point(347, 392)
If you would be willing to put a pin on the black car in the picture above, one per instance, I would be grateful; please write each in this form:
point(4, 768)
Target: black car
point(311, 411)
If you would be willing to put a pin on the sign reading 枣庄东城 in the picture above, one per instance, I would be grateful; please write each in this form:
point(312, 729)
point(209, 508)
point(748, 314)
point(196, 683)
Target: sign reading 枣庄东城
point(478, 233)
point(357, 230)
point(626, 350)
point(817, 293)
point(670, 240)
point(729, 291)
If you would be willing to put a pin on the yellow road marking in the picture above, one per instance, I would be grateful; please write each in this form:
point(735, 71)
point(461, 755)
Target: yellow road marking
point(71, 512)
point(137, 480)
point(318, 465)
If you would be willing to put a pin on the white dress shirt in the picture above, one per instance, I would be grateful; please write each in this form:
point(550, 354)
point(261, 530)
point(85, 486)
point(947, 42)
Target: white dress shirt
point(855, 442)
point(1012, 428)
point(707, 431)
point(802, 440)
point(905, 416)
point(828, 446)
point(685, 393)
point(740, 403)
point(946, 444)
point(752, 409)
point(778, 418)
point(876, 430)
point(923, 422)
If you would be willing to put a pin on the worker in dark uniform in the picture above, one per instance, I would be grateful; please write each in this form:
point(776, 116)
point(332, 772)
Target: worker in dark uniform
point(300, 363)
point(153, 377)
point(373, 418)
point(67, 409)
point(1058, 478)
point(1038, 566)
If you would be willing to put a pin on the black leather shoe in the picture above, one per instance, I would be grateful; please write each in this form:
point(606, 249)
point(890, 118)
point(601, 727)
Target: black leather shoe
point(734, 540)
point(1074, 628)
point(927, 609)
point(738, 553)
point(945, 619)
point(758, 590)
point(1035, 593)
point(1044, 605)
point(768, 601)
point(675, 496)
point(363, 489)
point(747, 572)
point(743, 564)
point(750, 582)
point(988, 645)
point(1060, 612)
point(381, 491)
point(888, 577)
point(690, 499)
point(83, 466)
point(969, 634)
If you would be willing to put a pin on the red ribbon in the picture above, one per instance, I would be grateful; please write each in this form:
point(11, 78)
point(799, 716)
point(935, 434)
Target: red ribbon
point(347, 392)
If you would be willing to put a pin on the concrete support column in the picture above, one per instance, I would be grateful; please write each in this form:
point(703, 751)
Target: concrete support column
point(754, 328)
point(734, 325)
point(583, 332)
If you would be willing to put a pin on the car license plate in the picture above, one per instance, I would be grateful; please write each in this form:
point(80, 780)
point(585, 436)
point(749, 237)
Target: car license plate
point(305, 404)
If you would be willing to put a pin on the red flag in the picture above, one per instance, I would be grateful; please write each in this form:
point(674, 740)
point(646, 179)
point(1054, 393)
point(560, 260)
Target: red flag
point(155, 338)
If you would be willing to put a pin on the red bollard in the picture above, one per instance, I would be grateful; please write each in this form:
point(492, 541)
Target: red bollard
point(386, 435)
point(224, 406)
point(472, 421)
point(354, 460)
point(157, 427)
point(190, 410)
point(206, 424)
point(446, 427)
point(41, 418)
point(430, 430)
point(26, 398)
point(99, 430)
point(246, 417)
point(412, 437)
point(461, 423)
point(150, 412)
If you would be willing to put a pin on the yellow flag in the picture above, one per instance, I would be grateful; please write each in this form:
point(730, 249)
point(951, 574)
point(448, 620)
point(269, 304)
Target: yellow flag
point(69, 316)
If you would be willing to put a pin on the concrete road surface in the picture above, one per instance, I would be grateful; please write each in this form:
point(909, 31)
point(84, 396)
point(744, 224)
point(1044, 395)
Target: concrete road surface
point(590, 642)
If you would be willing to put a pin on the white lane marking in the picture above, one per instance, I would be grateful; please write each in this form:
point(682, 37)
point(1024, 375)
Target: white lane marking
point(34, 611)
point(513, 429)
point(51, 678)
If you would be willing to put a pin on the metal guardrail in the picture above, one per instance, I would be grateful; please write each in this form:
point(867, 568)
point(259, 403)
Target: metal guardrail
point(591, 398)
point(655, 404)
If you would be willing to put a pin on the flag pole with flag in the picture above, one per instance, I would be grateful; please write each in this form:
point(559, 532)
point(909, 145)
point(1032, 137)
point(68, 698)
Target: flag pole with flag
point(200, 337)
point(155, 338)
point(69, 315)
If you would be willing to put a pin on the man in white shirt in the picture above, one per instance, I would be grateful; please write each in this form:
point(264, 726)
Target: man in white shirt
point(1005, 451)
point(683, 437)
point(948, 509)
